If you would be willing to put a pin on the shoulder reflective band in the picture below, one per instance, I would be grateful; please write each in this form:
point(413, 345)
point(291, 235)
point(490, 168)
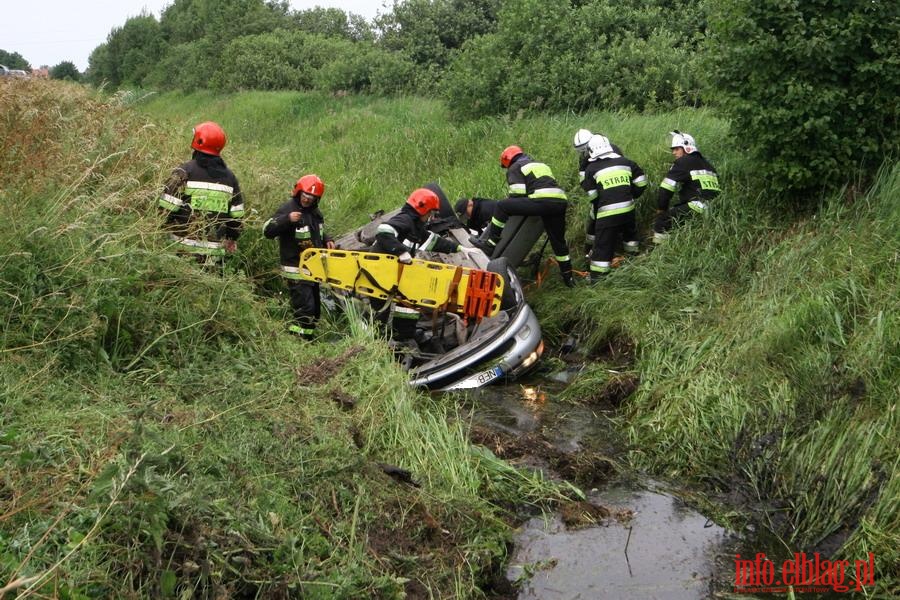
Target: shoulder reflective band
point(537, 169)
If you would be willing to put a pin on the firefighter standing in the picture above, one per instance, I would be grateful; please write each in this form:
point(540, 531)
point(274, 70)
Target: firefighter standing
point(532, 192)
point(580, 144)
point(298, 224)
point(613, 183)
point(202, 200)
point(695, 180)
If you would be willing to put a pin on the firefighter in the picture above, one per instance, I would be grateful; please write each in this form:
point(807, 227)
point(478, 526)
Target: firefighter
point(475, 213)
point(298, 224)
point(695, 180)
point(580, 144)
point(532, 192)
point(613, 183)
point(202, 200)
point(403, 235)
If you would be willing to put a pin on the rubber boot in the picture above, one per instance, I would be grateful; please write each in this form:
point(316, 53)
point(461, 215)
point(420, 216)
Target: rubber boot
point(565, 270)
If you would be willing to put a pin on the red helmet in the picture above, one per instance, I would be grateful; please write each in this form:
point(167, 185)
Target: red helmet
point(311, 184)
point(508, 155)
point(424, 200)
point(209, 138)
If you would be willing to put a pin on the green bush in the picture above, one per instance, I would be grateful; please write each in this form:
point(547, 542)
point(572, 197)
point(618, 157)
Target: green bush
point(552, 55)
point(268, 61)
point(811, 87)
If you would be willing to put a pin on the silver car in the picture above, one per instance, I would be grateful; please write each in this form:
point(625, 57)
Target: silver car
point(449, 354)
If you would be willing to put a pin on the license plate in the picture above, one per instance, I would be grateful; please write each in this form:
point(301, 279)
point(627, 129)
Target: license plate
point(489, 375)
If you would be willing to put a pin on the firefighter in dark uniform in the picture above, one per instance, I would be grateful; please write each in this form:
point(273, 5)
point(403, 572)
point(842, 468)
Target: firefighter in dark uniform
point(613, 182)
point(580, 144)
point(532, 192)
point(476, 213)
point(403, 235)
point(298, 224)
point(692, 177)
point(202, 200)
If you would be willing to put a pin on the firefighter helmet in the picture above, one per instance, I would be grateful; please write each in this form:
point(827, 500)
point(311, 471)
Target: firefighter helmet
point(209, 138)
point(508, 155)
point(424, 201)
point(683, 140)
point(582, 137)
point(598, 146)
point(310, 184)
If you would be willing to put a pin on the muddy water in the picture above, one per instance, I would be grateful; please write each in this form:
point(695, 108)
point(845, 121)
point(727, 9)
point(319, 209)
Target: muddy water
point(643, 542)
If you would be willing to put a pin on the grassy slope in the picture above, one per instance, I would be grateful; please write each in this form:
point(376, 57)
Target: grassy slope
point(159, 433)
point(768, 347)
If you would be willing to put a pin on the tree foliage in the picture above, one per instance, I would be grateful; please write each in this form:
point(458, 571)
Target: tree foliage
point(811, 87)
point(333, 22)
point(555, 55)
point(14, 60)
point(430, 32)
point(129, 54)
point(65, 70)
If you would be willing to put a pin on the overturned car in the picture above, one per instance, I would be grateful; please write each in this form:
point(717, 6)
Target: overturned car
point(448, 352)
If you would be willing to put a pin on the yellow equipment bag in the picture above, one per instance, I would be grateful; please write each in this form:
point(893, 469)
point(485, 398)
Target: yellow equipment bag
point(422, 284)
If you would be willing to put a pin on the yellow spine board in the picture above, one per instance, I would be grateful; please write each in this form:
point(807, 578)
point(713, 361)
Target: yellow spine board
point(422, 284)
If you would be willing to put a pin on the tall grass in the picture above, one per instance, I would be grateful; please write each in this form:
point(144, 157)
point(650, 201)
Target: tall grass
point(161, 435)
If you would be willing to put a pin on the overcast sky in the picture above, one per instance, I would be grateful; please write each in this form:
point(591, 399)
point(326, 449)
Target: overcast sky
point(47, 32)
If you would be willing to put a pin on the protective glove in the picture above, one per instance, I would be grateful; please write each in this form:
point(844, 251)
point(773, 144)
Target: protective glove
point(405, 258)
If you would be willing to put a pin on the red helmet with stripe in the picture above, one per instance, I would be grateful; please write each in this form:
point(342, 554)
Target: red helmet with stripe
point(424, 201)
point(311, 184)
point(508, 155)
point(209, 138)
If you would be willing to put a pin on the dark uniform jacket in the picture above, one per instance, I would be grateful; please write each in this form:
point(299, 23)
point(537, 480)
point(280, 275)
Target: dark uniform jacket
point(527, 178)
point(203, 204)
point(615, 182)
point(406, 226)
point(294, 238)
point(693, 177)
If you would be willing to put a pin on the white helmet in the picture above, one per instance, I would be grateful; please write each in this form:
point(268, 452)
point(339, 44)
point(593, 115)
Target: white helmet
point(582, 137)
point(683, 140)
point(598, 146)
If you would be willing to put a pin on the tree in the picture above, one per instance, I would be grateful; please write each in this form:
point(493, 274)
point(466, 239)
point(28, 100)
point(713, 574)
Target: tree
point(65, 70)
point(14, 60)
point(129, 54)
point(333, 22)
point(431, 31)
point(811, 87)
